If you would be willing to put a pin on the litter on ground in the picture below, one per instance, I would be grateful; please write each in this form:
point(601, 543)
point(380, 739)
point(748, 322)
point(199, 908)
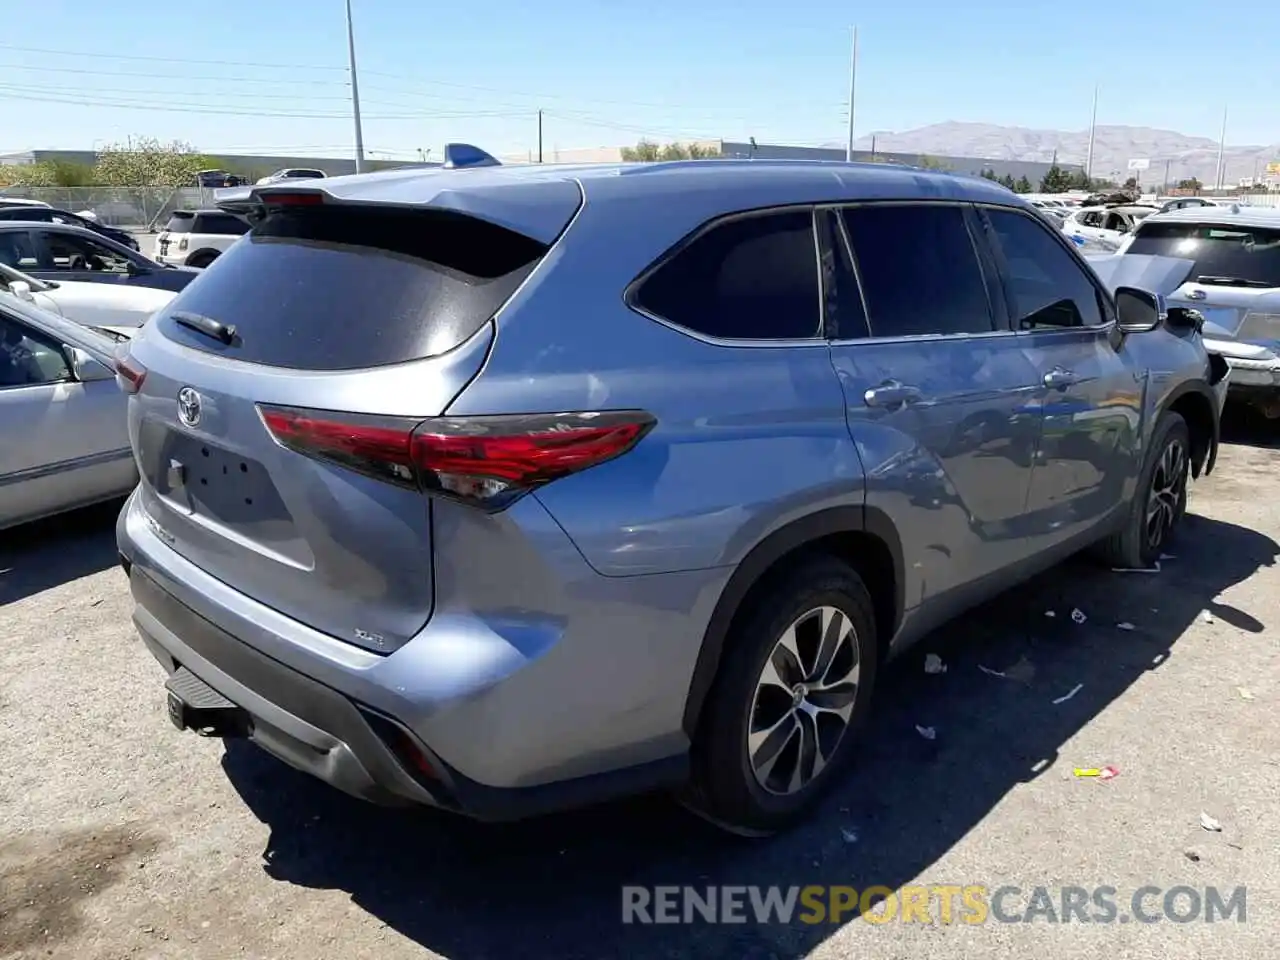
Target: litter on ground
point(1245, 693)
point(1024, 671)
point(1078, 615)
point(933, 664)
point(1067, 696)
point(1050, 613)
point(1206, 616)
point(1098, 773)
point(1210, 824)
point(1125, 626)
point(849, 836)
point(929, 733)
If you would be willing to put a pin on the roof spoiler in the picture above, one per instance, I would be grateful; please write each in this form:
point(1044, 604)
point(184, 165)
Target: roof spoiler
point(458, 155)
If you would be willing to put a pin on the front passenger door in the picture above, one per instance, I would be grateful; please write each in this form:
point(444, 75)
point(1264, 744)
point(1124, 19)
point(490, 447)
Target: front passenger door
point(1090, 392)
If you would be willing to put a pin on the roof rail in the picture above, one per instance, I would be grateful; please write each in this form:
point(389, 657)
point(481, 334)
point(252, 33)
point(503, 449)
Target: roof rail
point(458, 155)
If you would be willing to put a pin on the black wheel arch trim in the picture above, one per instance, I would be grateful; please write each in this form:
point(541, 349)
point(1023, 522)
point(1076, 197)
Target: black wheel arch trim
point(795, 535)
point(1199, 468)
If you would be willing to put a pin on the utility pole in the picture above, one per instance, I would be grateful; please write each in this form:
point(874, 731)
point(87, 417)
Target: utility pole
point(1166, 176)
point(853, 86)
point(355, 92)
point(1222, 145)
point(539, 136)
point(1093, 129)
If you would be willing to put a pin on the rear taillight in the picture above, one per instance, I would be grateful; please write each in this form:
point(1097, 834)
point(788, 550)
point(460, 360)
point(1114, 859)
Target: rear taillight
point(129, 374)
point(487, 461)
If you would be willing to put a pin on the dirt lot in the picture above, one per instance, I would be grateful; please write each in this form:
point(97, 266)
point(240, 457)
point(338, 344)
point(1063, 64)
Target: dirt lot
point(120, 837)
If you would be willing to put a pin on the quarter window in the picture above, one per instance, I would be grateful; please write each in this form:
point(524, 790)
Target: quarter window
point(1047, 286)
point(750, 278)
point(919, 269)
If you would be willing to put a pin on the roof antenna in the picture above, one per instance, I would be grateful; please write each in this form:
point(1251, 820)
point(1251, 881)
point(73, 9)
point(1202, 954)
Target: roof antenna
point(751, 154)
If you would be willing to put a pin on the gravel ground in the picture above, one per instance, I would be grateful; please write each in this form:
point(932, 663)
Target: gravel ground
point(120, 837)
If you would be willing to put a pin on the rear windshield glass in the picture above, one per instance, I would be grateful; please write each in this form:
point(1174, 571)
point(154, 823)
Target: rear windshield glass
point(219, 224)
point(1230, 255)
point(304, 174)
point(180, 223)
point(340, 289)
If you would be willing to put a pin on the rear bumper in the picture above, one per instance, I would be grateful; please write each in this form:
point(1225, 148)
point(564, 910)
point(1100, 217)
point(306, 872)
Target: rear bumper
point(344, 715)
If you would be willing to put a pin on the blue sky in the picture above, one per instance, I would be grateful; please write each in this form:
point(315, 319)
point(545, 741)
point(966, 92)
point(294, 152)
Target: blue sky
point(608, 74)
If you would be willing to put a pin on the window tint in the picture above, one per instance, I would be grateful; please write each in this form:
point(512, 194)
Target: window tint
point(220, 224)
point(29, 214)
point(78, 253)
point(1048, 287)
point(340, 288)
point(751, 278)
point(919, 270)
point(28, 359)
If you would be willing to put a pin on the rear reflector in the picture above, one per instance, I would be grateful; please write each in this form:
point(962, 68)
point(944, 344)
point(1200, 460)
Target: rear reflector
point(486, 461)
point(129, 374)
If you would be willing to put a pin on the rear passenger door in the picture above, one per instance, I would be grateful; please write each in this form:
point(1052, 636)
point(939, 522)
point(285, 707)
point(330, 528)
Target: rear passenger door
point(1089, 390)
point(937, 388)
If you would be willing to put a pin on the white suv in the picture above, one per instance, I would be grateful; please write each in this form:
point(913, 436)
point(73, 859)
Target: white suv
point(195, 238)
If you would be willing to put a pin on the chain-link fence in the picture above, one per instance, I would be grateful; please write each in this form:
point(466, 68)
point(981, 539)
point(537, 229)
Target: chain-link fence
point(138, 208)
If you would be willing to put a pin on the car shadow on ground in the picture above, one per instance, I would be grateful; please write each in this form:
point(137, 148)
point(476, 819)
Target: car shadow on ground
point(552, 887)
point(38, 556)
point(1245, 425)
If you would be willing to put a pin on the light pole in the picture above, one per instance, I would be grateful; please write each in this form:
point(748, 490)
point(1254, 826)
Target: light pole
point(1222, 145)
point(1093, 127)
point(853, 85)
point(355, 92)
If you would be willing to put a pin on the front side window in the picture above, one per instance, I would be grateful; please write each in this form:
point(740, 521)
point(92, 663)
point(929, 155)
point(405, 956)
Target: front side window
point(919, 270)
point(749, 278)
point(18, 250)
point(27, 358)
point(1047, 286)
point(79, 253)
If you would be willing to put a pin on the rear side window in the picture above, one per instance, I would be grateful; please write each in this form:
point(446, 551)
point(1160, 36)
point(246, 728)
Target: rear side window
point(180, 223)
point(1047, 286)
point(749, 278)
point(220, 224)
point(338, 288)
point(919, 270)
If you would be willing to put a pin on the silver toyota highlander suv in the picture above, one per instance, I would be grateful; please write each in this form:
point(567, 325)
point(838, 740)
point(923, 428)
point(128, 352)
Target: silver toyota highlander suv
point(511, 488)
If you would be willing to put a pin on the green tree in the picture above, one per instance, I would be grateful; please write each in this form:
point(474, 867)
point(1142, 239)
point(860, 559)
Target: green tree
point(1079, 180)
point(1007, 181)
point(989, 174)
point(648, 152)
point(28, 175)
point(149, 163)
point(1190, 183)
point(1056, 180)
point(1130, 185)
point(926, 162)
point(1023, 185)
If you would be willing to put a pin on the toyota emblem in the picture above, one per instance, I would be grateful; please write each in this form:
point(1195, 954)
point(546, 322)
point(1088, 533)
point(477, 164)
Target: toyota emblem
point(188, 406)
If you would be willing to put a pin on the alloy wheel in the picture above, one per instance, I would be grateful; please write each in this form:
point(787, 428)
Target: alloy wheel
point(1167, 496)
point(803, 701)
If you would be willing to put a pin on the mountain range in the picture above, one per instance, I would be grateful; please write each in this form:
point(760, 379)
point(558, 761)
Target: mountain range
point(1174, 155)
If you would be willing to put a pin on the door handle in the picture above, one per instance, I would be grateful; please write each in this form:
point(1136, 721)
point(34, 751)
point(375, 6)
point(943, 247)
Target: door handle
point(891, 393)
point(1058, 379)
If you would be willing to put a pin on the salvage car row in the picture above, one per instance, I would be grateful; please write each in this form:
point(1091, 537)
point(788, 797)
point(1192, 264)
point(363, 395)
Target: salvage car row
point(358, 538)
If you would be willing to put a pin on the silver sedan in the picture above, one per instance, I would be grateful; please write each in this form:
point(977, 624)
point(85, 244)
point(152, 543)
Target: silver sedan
point(64, 439)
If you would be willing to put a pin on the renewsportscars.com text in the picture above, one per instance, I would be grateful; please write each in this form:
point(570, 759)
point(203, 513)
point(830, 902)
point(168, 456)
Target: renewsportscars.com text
point(938, 904)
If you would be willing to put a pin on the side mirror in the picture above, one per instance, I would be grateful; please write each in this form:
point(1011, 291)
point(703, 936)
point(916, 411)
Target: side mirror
point(22, 290)
point(1139, 310)
point(133, 270)
point(1186, 318)
point(86, 369)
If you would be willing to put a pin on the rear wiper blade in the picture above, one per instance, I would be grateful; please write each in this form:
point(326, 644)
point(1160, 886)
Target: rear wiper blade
point(207, 325)
point(1233, 282)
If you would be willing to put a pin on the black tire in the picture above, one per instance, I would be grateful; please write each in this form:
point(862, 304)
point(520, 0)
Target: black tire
point(726, 788)
point(1135, 545)
point(202, 259)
